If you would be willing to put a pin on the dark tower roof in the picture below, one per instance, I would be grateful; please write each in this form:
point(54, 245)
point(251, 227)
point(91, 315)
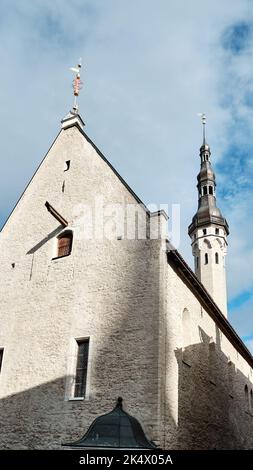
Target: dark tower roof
point(207, 212)
point(116, 429)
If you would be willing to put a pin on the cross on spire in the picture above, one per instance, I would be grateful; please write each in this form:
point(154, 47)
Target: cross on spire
point(77, 84)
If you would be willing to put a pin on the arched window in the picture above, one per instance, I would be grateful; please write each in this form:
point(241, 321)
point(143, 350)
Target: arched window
point(205, 190)
point(216, 258)
point(64, 246)
point(206, 258)
point(211, 190)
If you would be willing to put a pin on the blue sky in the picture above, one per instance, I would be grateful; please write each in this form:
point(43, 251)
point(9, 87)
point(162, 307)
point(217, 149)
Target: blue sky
point(149, 68)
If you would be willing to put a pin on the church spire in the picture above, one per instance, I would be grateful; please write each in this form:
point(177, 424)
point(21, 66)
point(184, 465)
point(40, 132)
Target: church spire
point(208, 211)
point(73, 117)
point(208, 230)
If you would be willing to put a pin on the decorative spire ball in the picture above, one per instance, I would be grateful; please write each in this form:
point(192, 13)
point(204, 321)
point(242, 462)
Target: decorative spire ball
point(77, 84)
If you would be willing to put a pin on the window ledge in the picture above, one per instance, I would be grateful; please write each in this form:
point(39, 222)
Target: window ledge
point(59, 257)
point(76, 399)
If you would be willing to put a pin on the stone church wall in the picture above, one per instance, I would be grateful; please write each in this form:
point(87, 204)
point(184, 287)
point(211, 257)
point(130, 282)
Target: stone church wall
point(107, 290)
point(206, 379)
point(151, 342)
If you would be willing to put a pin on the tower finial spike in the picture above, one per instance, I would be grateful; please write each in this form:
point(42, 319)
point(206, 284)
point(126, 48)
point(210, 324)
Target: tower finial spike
point(77, 84)
point(203, 119)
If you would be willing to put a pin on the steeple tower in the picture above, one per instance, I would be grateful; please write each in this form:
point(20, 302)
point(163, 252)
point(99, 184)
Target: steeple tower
point(208, 232)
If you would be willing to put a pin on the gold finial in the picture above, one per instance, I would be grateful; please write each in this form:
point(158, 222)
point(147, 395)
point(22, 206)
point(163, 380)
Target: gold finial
point(203, 119)
point(77, 84)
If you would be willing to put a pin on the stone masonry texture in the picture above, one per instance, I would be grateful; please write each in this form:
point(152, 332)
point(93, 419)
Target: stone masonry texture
point(151, 341)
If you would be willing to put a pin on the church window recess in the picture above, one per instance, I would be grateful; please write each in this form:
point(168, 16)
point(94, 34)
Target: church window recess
point(197, 262)
point(217, 231)
point(251, 401)
point(204, 231)
point(211, 190)
point(216, 258)
point(206, 258)
point(64, 243)
point(81, 368)
point(1, 358)
point(246, 396)
point(205, 190)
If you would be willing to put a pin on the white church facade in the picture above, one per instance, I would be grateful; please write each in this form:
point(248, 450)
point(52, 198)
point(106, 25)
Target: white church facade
point(86, 319)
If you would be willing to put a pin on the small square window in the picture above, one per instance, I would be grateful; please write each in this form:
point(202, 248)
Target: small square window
point(67, 165)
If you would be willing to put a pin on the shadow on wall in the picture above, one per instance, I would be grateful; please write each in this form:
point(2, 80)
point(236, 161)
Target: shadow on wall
point(27, 419)
point(40, 418)
point(214, 412)
point(127, 349)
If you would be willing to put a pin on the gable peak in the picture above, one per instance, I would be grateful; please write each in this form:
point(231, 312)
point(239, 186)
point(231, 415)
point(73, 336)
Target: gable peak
point(72, 118)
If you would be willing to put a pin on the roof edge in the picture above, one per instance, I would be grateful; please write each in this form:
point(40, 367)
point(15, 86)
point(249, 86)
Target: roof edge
point(185, 272)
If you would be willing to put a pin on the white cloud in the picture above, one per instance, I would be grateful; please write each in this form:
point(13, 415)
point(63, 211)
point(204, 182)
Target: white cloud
point(148, 70)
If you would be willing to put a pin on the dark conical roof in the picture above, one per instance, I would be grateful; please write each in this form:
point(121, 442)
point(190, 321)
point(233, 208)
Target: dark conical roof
point(208, 212)
point(116, 429)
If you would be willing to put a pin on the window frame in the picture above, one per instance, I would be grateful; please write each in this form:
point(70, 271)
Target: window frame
point(83, 383)
point(59, 237)
point(71, 369)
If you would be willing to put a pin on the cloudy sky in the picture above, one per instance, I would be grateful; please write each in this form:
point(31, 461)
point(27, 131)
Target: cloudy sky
point(149, 68)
